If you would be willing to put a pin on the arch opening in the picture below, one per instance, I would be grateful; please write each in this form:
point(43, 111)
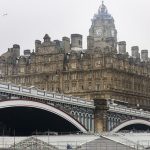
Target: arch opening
point(23, 118)
point(135, 128)
point(24, 121)
point(136, 125)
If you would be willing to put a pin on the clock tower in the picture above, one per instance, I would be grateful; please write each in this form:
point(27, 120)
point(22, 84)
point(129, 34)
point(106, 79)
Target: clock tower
point(103, 27)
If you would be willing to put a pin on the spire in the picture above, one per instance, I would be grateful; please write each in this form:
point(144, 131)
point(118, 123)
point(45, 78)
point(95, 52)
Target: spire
point(102, 13)
point(102, 9)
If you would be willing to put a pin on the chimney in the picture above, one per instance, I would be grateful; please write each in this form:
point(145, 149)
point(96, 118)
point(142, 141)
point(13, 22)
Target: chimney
point(122, 47)
point(144, 55)
point(16, 50)
point(37, 45)
point(135, 52)
point(90, 42)
point(66, 43)
point(27, 52)
point(76, 41)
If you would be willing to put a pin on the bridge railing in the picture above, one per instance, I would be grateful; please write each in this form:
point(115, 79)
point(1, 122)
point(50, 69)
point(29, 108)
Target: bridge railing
point(32, 91)
point(129, 111)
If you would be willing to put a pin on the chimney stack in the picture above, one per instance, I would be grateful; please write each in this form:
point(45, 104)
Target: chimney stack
point(122, 47)
point(66, 43)
point(37, 45)
point(76, 41)
point(144, 55)
point(135, 52)
point(90, 42)
point(27, 52)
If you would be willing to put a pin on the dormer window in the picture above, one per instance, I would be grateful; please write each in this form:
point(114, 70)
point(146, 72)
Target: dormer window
point(46, 38)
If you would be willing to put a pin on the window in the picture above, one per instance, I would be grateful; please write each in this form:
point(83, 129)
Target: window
point(66, 87)
point(66, 77)
point(80, 75)
point(98, 74)
point(74, 76)
point(73, 86)
point(51, 77)
point(81, 86)
point(90, 86)
point(52, 89)
point(73, 65)
point(97, 63)
point(90, 75)
point(97, 87)
point(22, 70)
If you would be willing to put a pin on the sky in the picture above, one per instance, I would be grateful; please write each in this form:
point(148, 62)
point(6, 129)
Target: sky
point(29, 20)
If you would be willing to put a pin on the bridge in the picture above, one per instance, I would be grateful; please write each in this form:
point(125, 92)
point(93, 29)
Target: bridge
point(27, 110)
point(74, 113)
point(119, 117)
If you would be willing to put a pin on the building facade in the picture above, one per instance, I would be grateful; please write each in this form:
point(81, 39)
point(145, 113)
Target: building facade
point(102, 71)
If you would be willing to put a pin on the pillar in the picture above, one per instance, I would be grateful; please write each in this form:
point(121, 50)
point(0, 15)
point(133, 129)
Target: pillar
point(100, 116)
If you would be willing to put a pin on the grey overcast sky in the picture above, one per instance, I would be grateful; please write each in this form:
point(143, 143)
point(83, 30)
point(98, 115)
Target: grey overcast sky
point(28, 20)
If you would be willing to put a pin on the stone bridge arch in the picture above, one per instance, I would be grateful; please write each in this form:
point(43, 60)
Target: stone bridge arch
point(42, 106)
point(131, 122)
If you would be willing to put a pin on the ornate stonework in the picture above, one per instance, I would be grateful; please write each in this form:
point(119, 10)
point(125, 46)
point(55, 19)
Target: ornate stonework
point(100, 72)
point(103, 26)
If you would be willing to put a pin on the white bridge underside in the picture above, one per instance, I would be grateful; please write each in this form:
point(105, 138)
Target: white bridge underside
point(31, 104)
point(131, 122)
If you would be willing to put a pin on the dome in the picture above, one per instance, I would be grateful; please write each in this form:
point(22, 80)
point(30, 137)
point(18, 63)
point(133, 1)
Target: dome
point(102, 9)
point(102, 13)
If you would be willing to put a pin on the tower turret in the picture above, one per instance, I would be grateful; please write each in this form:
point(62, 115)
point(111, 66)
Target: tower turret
point(103, 26)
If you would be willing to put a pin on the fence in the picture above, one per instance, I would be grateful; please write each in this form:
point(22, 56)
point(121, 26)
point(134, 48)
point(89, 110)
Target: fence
point(84, 142)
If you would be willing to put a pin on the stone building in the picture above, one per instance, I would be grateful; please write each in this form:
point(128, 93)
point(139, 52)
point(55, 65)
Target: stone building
point(100, 72)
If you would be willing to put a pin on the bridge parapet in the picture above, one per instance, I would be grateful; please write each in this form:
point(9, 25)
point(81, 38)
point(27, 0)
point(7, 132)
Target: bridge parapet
point(52, 96)
point(128, 111)
point(119, 114)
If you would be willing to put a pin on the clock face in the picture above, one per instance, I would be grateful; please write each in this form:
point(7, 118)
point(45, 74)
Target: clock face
point(99, 32)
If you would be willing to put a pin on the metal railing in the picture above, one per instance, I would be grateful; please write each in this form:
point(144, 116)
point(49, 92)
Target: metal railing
point(129, 111)
point(41, 94)
point(36, 143)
